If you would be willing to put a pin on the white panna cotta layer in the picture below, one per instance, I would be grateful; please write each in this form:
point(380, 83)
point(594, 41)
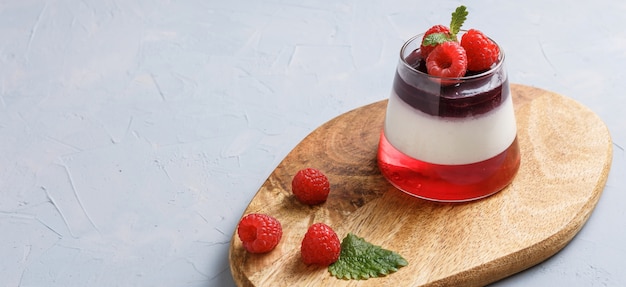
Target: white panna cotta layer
point(450, 141)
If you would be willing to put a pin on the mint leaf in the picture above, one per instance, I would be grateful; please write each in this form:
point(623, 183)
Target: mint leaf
point(435, 39)
point(361, 260)
point(458, 18)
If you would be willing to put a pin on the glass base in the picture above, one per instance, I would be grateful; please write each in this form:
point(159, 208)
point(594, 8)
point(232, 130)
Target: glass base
point(448, 183)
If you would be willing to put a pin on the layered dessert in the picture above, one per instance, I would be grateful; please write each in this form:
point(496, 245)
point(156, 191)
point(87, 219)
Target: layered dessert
point(449, 138)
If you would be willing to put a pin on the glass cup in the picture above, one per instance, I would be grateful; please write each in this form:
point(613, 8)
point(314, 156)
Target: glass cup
point(448, 139)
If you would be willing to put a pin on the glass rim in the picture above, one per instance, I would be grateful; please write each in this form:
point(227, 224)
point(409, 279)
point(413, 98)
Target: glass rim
point(464, 78)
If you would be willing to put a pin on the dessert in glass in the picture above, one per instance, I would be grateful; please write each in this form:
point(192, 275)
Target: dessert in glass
point(448, 139)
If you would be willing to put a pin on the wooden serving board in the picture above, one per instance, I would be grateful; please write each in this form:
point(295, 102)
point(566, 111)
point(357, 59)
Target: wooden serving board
point(566, 156)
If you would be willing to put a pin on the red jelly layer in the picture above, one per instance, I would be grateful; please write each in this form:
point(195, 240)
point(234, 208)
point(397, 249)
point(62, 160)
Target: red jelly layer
point(453, 183)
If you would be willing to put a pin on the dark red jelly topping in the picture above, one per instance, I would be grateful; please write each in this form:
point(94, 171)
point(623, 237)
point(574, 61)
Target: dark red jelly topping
point(451, 99)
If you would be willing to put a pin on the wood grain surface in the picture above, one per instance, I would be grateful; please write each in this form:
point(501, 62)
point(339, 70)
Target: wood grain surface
point(566, 156)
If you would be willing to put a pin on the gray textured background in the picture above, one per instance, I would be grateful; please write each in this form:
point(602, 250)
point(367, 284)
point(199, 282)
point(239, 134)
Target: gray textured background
point(134, 133)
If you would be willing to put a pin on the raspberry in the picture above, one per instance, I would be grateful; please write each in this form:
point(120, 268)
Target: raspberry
point(482, 53)
point(310, 186)
point(434, 29)
point(448, 60)
point(320, 245)
point(259, 233)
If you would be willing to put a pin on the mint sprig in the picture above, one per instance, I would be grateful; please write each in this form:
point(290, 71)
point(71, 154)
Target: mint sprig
point(458, 18)
point(435, 39)
point(362, 260)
